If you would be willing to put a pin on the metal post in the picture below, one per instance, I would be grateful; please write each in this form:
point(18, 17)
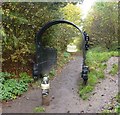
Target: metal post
point(85, 69)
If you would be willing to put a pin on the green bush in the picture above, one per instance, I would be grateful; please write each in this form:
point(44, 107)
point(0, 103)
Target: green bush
point(25, 77)
point(11, 88)
point(4, 76)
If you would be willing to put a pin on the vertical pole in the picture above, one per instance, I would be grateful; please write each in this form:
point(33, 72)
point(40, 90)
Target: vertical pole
point(85, 68)
point(45, 86)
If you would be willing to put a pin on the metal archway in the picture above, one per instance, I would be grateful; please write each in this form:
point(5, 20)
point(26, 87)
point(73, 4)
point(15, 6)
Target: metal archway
point(39, 49)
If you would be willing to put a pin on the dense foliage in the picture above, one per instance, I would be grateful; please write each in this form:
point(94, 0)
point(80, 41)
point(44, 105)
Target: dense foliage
point(11, 88)
point(102, 25)
point(21, 21)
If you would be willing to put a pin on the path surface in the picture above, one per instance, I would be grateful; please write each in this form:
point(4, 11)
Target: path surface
point(64, 96)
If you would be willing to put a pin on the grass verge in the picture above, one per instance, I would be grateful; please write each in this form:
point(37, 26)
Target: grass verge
point(95, 59)
point(114, 69)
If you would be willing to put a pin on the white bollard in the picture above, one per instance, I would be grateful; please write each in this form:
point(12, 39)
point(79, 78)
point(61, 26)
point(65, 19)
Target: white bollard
point(45, 86)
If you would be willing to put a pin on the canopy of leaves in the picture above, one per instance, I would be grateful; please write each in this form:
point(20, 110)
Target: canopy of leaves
point(102, 24)
point(22, 20)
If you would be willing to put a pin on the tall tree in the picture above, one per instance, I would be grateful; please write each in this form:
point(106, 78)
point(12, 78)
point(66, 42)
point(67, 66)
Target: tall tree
point(102, 24)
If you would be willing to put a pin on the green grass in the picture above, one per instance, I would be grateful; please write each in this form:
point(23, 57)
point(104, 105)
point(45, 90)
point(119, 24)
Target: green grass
point(84, 91)
point(114, 69)
point(39, 109)
point(95, 59)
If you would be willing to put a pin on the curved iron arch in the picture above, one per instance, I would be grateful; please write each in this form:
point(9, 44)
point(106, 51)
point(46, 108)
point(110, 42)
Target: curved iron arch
point(51, 23)
point(38, 37)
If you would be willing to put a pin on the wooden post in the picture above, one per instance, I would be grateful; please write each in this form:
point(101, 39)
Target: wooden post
point(46, 100)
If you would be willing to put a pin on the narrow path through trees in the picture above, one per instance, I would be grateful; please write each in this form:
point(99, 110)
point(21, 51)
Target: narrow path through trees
point(64, 94)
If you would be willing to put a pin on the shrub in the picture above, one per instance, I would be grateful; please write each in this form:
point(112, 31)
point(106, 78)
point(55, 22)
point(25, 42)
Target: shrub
point(11, 88)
